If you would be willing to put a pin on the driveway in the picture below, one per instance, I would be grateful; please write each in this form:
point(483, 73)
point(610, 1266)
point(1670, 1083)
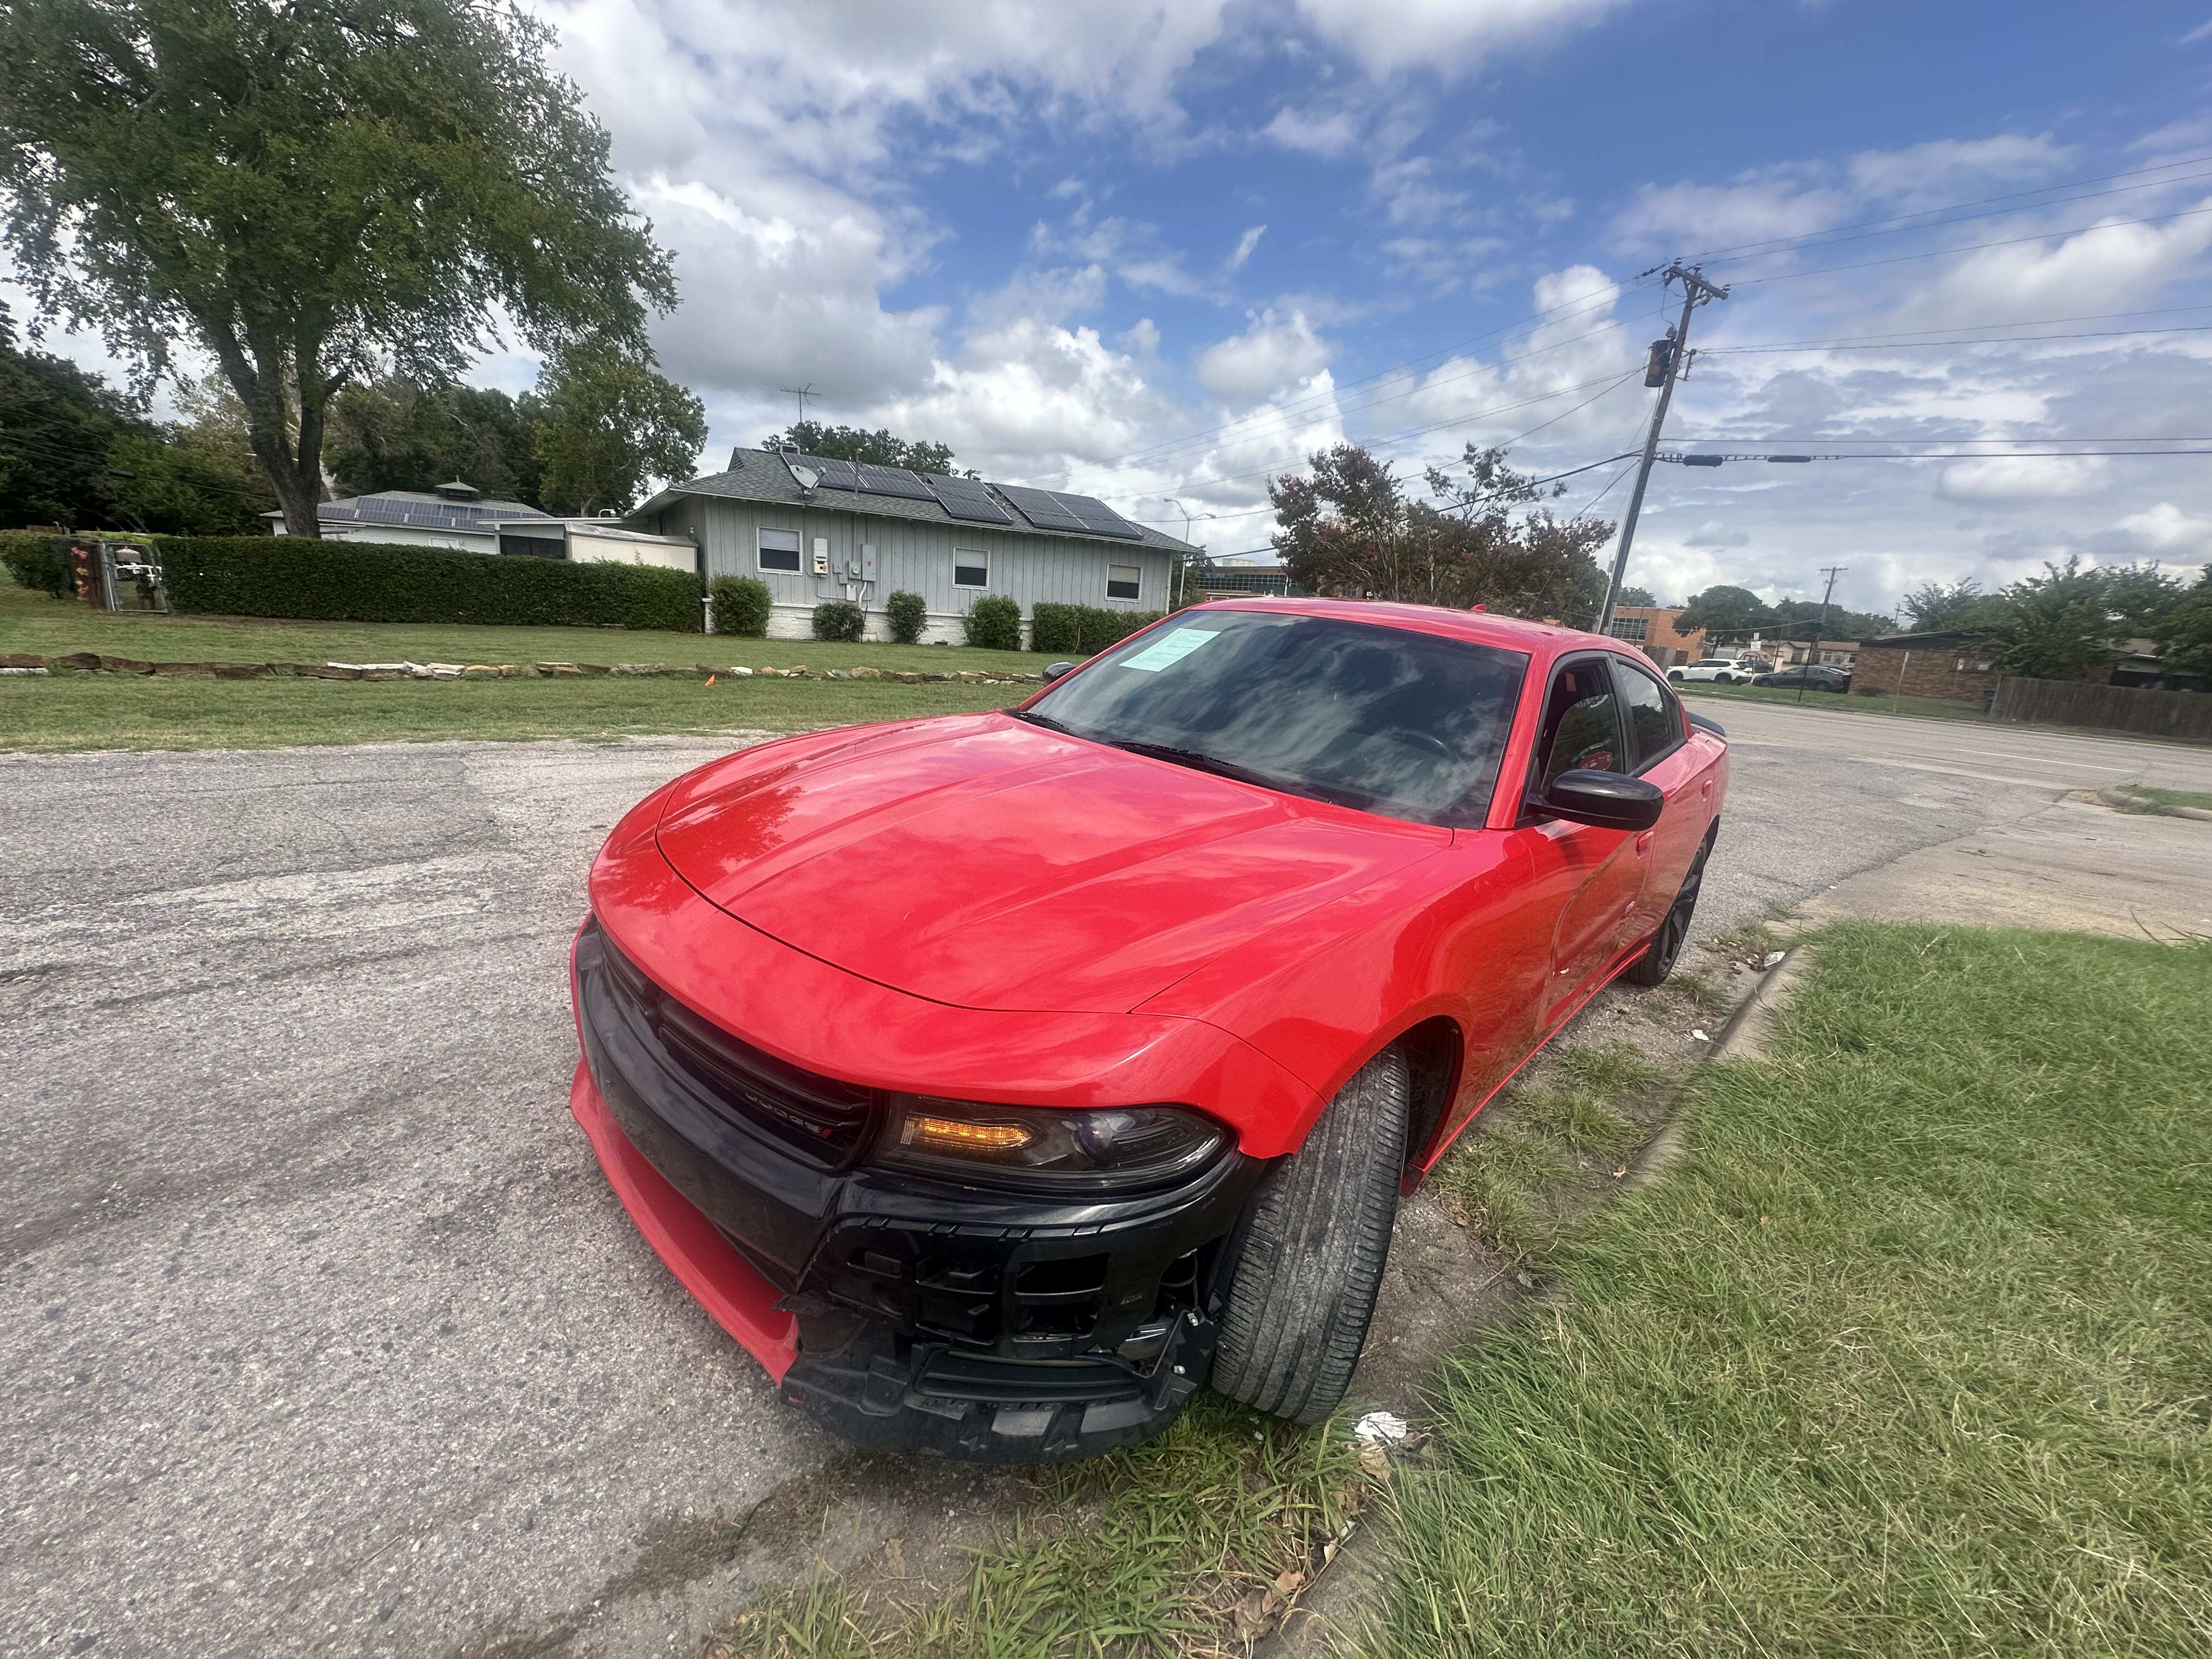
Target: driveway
point(323, 1332)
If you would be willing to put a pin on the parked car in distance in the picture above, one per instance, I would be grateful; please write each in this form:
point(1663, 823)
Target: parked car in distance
point(1755, 665)
point(1812, 676)
point(999, 1080)
point(1721, 670)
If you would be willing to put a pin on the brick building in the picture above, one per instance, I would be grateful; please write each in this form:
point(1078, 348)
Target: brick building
point(1950, 666)
point(1651, 630)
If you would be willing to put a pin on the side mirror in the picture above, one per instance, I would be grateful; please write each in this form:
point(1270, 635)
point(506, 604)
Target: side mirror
point(1053, 671)
point(1608, 800)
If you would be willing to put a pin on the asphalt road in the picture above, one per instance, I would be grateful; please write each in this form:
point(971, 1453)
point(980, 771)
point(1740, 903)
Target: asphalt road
point(322, 1332)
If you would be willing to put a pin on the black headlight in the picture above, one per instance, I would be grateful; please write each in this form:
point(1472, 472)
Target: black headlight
point(1114, 1148)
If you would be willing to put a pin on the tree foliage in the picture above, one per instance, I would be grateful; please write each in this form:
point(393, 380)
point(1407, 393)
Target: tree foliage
point(853, 443)
point(312, 192)
point(1935, 607)
point(1725, 609)
point(2184, 633)
point(393, 433)
point(2063, 625)
point(74, 452)
point(608, 422)
point(1349, 530)
point(1641, 598)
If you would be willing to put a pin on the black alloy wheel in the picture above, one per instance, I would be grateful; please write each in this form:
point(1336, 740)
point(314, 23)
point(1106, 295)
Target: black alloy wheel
point(1653, 967)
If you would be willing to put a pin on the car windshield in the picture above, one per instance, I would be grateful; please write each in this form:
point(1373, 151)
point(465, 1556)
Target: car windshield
point(1407, 724)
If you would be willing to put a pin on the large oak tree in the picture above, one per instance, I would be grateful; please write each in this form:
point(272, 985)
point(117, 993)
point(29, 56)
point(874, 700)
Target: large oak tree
point(315, 191)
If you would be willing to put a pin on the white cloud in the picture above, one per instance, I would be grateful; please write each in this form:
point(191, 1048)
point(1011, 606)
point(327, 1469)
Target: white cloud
point(2202, 30)
point(1245, 244)
point(1327, 133)
point(1716, 533)
point(2166, 528)
point(2099, 268)
point(1270, 354)
point(1450, 36)
point(2024, 478)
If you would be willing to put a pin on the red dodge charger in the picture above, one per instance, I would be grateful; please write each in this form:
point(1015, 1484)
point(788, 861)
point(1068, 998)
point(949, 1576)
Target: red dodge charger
point(998, 1080)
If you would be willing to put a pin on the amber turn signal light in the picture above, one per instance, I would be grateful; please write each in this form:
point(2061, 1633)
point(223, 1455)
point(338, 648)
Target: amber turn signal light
point(951, 1135)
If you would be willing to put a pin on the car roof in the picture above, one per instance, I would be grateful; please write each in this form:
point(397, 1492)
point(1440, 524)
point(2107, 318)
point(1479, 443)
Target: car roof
point(1536, 639)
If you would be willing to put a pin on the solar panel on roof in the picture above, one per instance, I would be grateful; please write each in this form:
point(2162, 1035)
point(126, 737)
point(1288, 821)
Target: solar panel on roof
point(967, 498)
point(834, 473)
point(1040, 507)
point(892, 481)
point(1098, 518)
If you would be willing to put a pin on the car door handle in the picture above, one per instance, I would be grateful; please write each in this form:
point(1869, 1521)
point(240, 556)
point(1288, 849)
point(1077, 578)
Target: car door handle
point(1705, 786)
point(1643, 842)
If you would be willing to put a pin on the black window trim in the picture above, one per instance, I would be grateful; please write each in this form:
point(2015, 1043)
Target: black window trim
point(1532, 802)
point(1667, 699)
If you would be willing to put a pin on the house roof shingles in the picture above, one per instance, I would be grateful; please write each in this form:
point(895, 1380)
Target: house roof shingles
point(760, 475)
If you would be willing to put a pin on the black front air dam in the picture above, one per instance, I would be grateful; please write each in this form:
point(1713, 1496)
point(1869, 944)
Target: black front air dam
point(1062, 1333)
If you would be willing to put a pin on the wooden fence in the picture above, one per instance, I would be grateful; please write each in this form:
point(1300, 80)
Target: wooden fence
point(2185, 716)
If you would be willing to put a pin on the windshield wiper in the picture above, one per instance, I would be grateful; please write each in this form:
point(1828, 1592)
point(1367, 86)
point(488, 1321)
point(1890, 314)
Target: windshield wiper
point(1199, 762)
point(1045, 720)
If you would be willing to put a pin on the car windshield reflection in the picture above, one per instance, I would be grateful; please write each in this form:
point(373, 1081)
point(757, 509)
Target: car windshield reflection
point(1408, 725)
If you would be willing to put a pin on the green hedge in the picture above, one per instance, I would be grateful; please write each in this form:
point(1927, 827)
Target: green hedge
point(909, 615)
point(381, 582)
point(742, 604)
point(1081, 629)
point(840, 619)
point(37, 560)
point(995, 622)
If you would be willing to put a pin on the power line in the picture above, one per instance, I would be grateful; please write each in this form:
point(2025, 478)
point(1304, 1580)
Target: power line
point(1974, 248)
point(2022, 322)
point(1915, 345)
point(1813, 239)
point(1708, 458)
point(1561, 311)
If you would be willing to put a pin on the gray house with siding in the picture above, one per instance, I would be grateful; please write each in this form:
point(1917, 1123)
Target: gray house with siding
point(816, 528)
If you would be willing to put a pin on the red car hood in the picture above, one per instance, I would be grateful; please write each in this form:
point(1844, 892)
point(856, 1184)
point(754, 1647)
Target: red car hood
point(989, 864)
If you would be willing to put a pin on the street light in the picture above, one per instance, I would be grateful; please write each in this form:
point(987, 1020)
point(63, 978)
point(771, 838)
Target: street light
point(1189, 518)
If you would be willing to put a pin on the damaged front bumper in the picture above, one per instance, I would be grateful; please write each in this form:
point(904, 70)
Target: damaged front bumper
point(905, 1314)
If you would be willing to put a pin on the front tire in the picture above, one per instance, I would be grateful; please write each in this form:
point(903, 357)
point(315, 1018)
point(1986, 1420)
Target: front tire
point(1315, 1240)
point(1675, 675)
point(1657, 963)
point(1723, 679)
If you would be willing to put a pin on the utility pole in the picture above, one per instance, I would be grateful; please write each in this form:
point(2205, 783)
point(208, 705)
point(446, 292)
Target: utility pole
point(1812, 652)
point(1667, 357)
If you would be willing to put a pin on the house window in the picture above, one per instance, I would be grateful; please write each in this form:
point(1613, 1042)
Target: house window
point(1630, 627)
point(1122, 581)
point(970, 568)
point(779, 550)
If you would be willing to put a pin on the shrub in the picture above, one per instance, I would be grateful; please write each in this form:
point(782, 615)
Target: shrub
point(37, 560)
point(909, 614)
point(742, 604)
point(1056, 628)
point(839, 619)
point(371, 581)
point(1081, 629)
point(995, 623)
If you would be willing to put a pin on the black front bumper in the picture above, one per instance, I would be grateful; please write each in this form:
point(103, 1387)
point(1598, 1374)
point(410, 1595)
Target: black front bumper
point(979, 1324)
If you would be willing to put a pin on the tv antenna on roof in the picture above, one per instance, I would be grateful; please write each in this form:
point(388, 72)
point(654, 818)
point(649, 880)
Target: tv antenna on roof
point(801, 392)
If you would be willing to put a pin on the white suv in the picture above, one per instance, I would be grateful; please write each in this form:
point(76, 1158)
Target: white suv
point(1722, 671)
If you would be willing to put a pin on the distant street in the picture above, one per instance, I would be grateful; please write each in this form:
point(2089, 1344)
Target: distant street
point(323, 1331)
point(2022, 755)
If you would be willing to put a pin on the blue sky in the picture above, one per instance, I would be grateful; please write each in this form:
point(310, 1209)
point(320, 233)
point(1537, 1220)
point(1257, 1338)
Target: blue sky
point(1158, 249)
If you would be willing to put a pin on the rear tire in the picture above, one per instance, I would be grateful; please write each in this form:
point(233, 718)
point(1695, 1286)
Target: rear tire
point(1315, 1240)
point(1658, 962)
point(1675, 675)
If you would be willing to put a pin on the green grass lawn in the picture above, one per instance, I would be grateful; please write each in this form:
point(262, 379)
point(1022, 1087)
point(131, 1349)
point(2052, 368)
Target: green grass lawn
point(1928, 709)
point(2196, 799)
point(68, 711)
point(1911, 1355)
point(33, 622)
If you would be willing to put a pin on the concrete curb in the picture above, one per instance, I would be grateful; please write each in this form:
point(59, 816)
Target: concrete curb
point(2121, 799)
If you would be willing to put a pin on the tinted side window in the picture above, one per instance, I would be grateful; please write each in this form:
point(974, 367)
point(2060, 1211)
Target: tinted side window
point(1651, 713)
point(1581, 724)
